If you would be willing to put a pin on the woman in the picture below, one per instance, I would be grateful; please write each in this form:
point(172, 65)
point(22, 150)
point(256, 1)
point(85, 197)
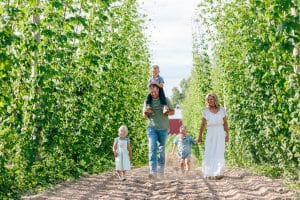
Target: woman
point(214, 116)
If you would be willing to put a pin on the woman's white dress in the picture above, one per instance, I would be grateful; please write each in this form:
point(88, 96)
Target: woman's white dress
point(214, 150)
point(122, 160)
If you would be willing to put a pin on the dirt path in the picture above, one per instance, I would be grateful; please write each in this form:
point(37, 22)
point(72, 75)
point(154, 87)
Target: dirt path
point(236, 184)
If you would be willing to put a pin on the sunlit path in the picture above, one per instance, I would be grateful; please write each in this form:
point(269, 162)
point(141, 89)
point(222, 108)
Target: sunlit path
point(236, 184)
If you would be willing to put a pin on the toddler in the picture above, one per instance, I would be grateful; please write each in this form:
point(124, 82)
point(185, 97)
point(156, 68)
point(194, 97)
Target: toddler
point(122, 152)
point(184, 143)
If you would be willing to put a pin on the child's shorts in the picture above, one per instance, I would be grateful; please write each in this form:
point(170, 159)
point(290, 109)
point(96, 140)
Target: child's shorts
point(187, 157)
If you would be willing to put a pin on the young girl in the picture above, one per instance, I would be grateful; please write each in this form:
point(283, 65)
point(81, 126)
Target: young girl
point(122, 152)
point(184, 143)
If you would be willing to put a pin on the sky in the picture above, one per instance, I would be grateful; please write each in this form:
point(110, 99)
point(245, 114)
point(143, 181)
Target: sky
point(169, 32)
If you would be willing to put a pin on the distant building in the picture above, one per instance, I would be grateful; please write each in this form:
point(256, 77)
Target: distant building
point(175, 121)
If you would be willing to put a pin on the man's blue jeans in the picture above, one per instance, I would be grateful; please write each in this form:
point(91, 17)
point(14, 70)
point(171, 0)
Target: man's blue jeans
point(156, 145)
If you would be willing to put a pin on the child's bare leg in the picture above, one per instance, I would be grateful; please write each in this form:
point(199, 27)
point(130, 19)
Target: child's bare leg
point(182, 165)
point(123, 176)
point(188, 164)
point(119, 173)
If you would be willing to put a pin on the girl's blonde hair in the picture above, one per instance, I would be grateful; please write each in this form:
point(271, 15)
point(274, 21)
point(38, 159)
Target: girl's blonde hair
point(123, 128)
point(215, 98)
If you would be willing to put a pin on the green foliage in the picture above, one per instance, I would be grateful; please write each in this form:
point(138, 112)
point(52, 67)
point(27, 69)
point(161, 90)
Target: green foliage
point(199, 84)
point(178, 95)
point(71, 73)
point(255, 76)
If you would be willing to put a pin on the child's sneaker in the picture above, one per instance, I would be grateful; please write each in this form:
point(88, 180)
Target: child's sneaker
point(166, 110)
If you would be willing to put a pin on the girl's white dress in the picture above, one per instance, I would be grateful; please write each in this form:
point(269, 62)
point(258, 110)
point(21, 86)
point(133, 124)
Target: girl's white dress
point(213, 162)
point(122, 160)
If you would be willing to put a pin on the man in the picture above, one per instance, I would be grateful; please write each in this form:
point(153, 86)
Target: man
point(157, 131)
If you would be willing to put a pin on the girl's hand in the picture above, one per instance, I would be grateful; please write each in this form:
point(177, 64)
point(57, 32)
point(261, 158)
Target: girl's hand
point(227, 138)
point(115, 154)
point(200, 140)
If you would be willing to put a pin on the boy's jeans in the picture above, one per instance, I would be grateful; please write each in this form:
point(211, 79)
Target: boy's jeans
point(156, 146)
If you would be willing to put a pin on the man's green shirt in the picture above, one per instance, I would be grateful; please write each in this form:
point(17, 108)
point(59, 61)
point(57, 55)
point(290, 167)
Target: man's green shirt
point(157, 119)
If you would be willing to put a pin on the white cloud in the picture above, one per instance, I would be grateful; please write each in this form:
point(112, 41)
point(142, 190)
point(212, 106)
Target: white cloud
point(170, 35)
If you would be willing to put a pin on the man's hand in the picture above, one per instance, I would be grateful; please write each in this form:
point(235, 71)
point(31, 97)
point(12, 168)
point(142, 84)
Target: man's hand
point(146, 115)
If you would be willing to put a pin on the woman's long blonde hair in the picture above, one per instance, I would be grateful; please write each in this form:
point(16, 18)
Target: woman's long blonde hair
point(215, 98)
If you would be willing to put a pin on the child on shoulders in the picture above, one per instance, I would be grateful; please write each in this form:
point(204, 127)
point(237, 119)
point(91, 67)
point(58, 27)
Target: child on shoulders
point(159, 81)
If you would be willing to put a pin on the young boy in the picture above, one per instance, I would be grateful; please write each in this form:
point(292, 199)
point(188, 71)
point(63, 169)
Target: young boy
point(156, 78)
point(184, 143)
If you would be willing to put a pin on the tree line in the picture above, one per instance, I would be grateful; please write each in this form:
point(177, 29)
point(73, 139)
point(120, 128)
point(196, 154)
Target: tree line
point(71, 72)
point(247, 52)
